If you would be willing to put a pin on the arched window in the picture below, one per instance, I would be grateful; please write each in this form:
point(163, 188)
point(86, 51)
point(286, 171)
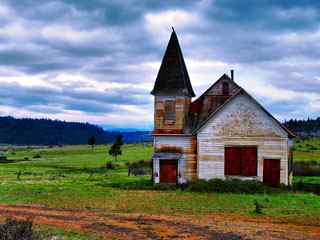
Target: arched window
point(225, 88)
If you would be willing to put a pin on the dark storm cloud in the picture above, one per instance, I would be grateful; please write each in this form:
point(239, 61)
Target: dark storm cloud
point(126, 96)
point(266, 14)
point(33, 63)
point(35, 98)
point(53, 24)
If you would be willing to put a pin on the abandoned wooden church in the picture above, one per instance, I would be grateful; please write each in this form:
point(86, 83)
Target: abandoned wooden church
point(224, 133)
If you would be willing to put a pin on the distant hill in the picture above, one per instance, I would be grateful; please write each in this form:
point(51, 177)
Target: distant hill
point(305, 128)
point(28, 131)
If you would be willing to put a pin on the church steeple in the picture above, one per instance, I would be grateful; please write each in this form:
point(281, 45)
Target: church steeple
point(173, 78)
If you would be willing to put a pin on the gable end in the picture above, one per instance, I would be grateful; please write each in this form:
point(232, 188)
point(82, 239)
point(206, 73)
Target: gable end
point(244, 117)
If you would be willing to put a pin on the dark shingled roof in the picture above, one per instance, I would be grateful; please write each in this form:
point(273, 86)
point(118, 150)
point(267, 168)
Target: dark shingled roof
point(173, 78)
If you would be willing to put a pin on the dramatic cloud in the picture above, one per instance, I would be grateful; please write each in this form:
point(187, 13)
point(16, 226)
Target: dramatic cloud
point(97, 60)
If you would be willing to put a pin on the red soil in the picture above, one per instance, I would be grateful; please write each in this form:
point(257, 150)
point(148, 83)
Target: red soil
point(134, 226)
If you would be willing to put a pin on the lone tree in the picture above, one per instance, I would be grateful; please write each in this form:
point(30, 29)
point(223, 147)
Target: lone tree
point(92, 141)
point(115, 149)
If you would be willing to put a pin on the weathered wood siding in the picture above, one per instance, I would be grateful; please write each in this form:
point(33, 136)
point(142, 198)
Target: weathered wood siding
point(216, 89)
point(241, 123)
point(181, 106)
point(186, 145)
point(214, 97)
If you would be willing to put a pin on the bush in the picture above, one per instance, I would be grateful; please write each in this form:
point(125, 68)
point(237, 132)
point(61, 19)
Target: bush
point(213, 185)
point(144, 184)
point(137, 172)
point(313, 148)
point(140, 168)
point(258, 207)
point(110, 165)
point(3, 157)
point(17, 230)
point(306, 168)
point(19, 173)
point(306, 187)
point(37, 156)
point(229, 186)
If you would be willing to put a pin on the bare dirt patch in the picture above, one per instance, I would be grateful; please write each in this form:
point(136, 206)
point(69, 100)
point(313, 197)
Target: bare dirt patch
point(135, 226)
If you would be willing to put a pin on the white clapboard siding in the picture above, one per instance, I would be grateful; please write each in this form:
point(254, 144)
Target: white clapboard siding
point(241, 122)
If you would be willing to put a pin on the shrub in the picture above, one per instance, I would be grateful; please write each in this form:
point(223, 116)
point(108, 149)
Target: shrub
point(306, 187)
point(229, 186)
point(3, 157)
point(37, 156)
point(19, 173)
point(17, 230)
point(258, 207)
point(26, 159)
point(199, 186)
point(110, 165)
point(136, 171)
point(306, 168)
point(139, 168)
point(144, 184)
point(311, 147)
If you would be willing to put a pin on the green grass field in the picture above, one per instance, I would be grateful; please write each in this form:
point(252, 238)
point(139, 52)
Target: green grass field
point(75, 177)
point(307, 150)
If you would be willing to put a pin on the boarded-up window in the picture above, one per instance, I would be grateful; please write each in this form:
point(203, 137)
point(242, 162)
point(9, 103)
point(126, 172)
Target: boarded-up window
point(225, 88)
point(241, 161)
point(170, 110)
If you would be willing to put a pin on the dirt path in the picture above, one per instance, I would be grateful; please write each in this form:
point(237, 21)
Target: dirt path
point(133, 226)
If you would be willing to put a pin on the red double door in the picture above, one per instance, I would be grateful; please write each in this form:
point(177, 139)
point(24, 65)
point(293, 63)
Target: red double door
point(241, 161)
point(168, 171)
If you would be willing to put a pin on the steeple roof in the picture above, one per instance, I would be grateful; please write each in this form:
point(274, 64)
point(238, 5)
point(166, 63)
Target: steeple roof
point(173, 78)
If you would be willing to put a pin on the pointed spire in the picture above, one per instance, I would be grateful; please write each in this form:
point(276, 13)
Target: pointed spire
point(173, 78)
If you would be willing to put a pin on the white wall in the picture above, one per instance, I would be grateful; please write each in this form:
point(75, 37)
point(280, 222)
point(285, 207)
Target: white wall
point(241, 122)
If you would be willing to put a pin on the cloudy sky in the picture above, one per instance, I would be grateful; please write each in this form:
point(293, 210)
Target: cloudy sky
point(96, 61)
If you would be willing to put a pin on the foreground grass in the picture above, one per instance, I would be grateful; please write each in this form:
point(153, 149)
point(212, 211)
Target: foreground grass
point(75, 177)
point(48, 232)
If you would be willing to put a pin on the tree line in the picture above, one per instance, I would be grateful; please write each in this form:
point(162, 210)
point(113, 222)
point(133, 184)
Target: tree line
point(304, 128)
point(27, 131)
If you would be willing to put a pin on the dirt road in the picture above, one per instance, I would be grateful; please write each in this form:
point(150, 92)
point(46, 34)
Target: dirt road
point(134, 226)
